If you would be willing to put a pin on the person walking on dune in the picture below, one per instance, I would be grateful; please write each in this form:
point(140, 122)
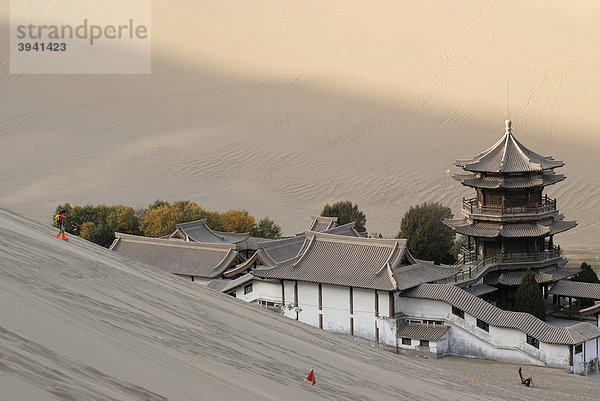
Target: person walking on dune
point(59, 219)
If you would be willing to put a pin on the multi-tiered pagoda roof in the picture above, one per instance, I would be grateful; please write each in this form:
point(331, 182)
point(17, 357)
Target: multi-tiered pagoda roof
point(508, 164)
point(510, 224)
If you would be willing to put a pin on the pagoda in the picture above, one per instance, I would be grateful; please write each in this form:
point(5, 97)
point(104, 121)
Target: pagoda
point(510, 224)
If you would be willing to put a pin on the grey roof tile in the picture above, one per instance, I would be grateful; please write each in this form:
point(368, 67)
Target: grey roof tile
point(347, 229)
point(322, 223)
point(509, 230)
point(576, 289)
point(198, 231)
point(500, 318)
point(480, 289)
point(342, 260)
point(592, 310)
point(478, 181)
point(515, 277)
point(283, 249)
point(177, 256)
point(508, 155)
point(419, 331)
point(409, 276)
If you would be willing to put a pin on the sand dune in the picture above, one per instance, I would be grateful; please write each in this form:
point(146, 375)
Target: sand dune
point(281, 107)
point(77, 322)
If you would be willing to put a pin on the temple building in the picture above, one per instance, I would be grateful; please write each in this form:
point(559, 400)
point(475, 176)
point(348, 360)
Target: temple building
point(510, 224)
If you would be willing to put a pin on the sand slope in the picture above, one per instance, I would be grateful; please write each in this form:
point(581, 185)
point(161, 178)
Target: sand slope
point(281, 107)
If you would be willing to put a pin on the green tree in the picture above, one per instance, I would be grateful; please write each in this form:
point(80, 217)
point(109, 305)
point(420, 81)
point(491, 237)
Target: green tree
point(100, 233)
point(158, 203)
point(457, 246)
point(529, 297)
point(238, 221)
point(160, 221)
point(346, 212)
point(123, 219)
point(214, 220)
point(427, 237)
point(191, 211)
point(586, 275)
point(267, 228)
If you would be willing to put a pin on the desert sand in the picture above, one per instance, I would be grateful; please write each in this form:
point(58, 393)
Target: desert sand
point(281, 107)
point(77, 322)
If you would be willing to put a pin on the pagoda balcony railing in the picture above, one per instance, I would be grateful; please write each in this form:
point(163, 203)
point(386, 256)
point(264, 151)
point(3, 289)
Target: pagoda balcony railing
point(501, 259)
point(471, 207)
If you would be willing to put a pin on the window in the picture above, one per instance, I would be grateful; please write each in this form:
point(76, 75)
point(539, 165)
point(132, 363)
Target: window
point(320, 297)
point(376, 303)
point(424, 343)
point(533, 341)
point(492, 199)
point(579, 348)
point(248, 289)
point(406, 341)
point(536, 198)
point(458, 312)
point(438, 322)
point(483, 325)
point(351, 326)
point(351, 300)
point(516, 200)
point(320, 320)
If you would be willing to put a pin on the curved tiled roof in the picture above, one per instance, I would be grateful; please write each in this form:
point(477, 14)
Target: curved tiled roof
point(347, 229)
point(420, 331)
point(516, 277)
point(341, 260)
point(480, 289)
point(544, 275)
point(176, 256)
point(259, 257)
point(494, 182)
point(509, 230)
point(576, 289)
point(322, 223)
point(283, 249)
point(198, 231)
point(508, 156)
point(412, 275)
point(500, 318)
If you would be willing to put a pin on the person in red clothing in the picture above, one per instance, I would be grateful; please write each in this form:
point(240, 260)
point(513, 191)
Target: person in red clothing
point(60, 220)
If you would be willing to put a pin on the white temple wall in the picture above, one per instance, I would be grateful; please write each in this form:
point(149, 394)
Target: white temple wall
point(260, 290)
point(364, 313)
point(438, 348)
point(308, 303)
point(335, 311)
point(387, 331)
point(467, 339)
point(336, 308)
point(288, 290)
point(383, 299)
point(582, 360)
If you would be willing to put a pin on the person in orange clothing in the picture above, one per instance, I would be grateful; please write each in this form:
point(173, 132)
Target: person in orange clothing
point(59, 219)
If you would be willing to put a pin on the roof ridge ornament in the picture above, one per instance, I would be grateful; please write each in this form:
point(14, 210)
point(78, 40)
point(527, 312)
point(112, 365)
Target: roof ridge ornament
point(508, 124)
